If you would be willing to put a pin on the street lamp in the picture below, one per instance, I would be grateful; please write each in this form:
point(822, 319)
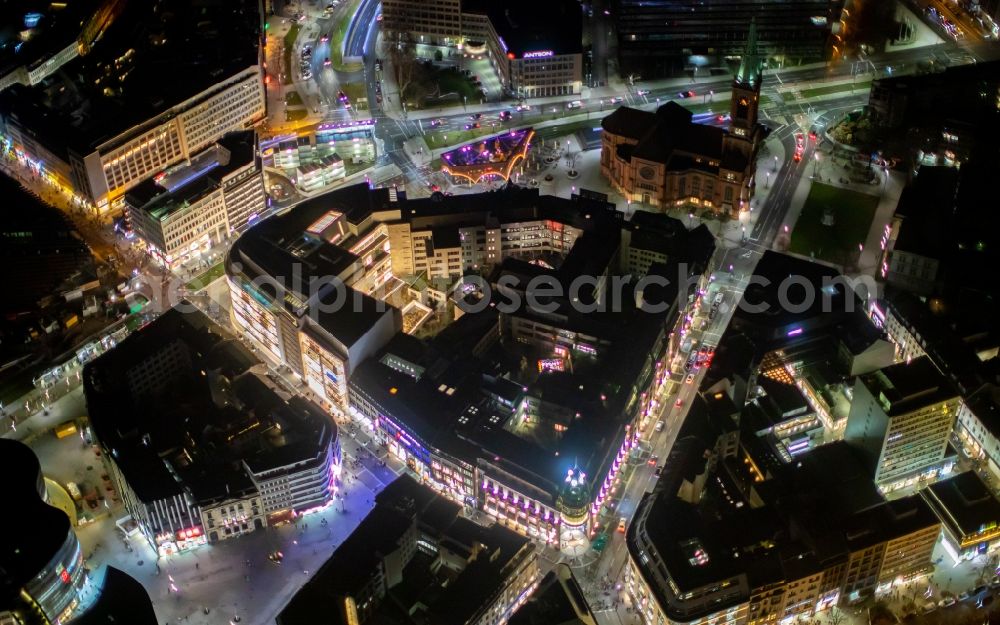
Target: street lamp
point(815, 163)
point(775, 169)
point(767, 183)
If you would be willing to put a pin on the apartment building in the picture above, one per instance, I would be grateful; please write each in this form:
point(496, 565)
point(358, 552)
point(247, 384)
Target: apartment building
point(901, 418)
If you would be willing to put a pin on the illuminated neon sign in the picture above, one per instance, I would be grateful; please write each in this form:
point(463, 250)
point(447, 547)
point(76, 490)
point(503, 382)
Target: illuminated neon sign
point(538, 54)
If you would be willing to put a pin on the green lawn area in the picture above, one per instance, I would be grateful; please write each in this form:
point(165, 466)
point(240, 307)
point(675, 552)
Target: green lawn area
point(337, 39)
point(295, 115)
point(292, 98)
point(214, 273)
point(852, 213)
point(289, 41)
point(859, 86)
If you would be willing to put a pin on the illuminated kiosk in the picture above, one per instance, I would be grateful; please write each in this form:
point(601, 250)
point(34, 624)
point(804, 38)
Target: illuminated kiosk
point(492, 157)
point(574, 513)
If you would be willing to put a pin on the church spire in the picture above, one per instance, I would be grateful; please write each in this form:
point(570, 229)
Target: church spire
point(751, 65)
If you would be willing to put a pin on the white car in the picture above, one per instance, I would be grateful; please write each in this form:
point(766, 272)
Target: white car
point(659, 425)
point(575, 104)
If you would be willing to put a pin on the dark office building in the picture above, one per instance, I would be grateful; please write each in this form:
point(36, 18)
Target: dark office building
point(658, 38)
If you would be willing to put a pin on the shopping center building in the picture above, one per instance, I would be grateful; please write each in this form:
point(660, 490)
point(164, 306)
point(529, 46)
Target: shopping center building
point(99, 133)
point(528, 416)
point(203, 446)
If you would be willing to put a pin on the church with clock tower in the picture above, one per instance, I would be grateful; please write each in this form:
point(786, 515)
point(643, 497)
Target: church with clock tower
point(665, 159)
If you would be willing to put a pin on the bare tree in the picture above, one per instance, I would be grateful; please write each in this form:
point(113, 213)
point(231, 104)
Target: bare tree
point(402, 54)
point(836, 616)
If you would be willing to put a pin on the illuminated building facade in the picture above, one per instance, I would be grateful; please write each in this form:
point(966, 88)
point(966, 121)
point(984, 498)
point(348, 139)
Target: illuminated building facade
point(901, 417)
point(969, 513)
point(187, 210)
point(531, 59)
point(205, 483)
point(666, 159)
point(978, 426)
point(698, 568)
point(41, 560)
point(168, 100)
point(412, 531)
point(435, 23)
point(286, 276)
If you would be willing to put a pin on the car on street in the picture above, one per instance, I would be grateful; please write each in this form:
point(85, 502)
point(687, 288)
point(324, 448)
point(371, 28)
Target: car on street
point(324, 38)
point(658, 471)
point(799, 140)
point(475, 116)
point(653, 459)
point(947, 602)
point(435, 123)
point(678, 403)
point(686, 94)
point(575, 104)
point(660, 425)
point(471, 126)
point(616, 100)
point(276, 557)
point(812, 135)
point(643, 92)
point(622, 523)
point(326, 62)
point(504, 116)
point(689, 379)
point(797, 157)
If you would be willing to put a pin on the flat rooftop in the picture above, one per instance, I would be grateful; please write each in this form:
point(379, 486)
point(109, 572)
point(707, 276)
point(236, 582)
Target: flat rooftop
point(199, 415)
point(162, 52)
point(403, 504)
point(186, 184)
point(964, 503)
point(907, 386)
